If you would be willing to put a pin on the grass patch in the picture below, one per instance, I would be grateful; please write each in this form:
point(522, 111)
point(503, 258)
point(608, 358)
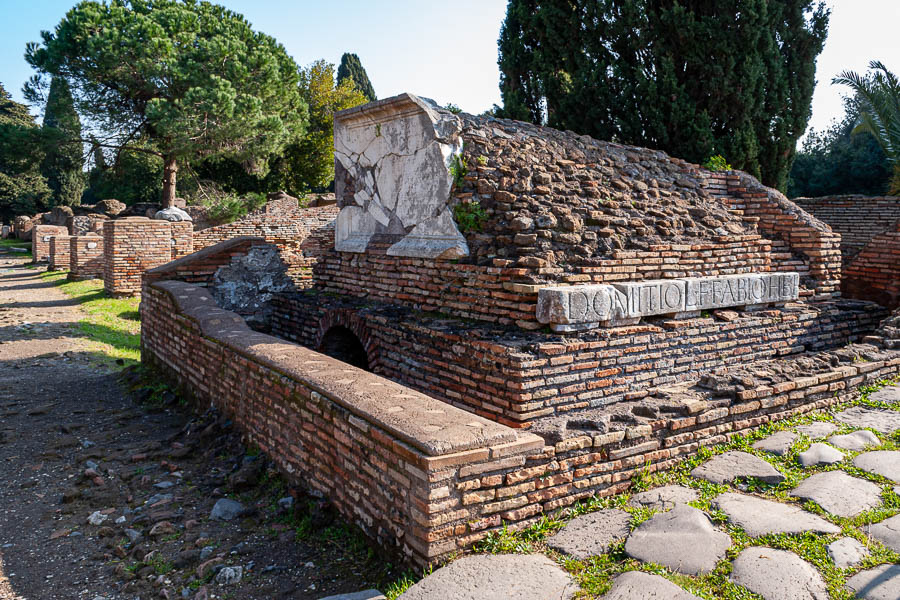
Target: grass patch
point(8, 243)
point(112, 325)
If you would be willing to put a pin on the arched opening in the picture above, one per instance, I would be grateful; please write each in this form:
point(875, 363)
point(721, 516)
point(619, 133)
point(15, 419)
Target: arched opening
point(342, 344)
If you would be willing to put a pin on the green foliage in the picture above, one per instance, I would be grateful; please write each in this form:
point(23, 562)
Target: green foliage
point(191, 78)
point(691, 78)
point(131, 177)
point(62, 164)
point(717, 163)
point(458, 170)
point(879, 115)
point(455, 109)
point(23, 189)
point(351, 70)
point(228, 207)
point(469, 216)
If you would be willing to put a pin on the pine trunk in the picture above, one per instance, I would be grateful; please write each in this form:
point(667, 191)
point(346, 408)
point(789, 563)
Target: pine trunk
point(170, 175)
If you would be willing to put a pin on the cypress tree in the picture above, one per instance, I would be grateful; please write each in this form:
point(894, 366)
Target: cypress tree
point(694, 78)
point(351, 68)
point(23, 190)
point(62, 165)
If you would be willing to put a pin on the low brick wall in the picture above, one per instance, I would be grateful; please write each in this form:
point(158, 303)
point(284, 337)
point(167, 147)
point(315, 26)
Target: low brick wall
point(86, 257)
point(40, 240)
point(60, 253)
point(516, 378)
point(390, 459)
point(875, 272)
point(857, 218)
point(135, 244)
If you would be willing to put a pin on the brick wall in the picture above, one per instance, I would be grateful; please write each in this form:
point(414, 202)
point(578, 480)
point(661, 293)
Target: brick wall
point(40, 240)
point(86, 257)
point(874, 274)
point(59, 257)
point(387, 457)
point(516, 378)
point(135, 244)
point(857, 218)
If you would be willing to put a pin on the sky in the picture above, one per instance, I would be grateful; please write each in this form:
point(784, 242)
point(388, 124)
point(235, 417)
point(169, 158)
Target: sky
point(447, 51)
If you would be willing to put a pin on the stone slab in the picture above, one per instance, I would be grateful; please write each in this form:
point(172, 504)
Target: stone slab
point(496, 577)
point(879, 583)
point(727, 467)
point(575, 304)
point(778, 575)
point(636, 585)
point(591, 534)
point(761, 517)
point(663, 498)
point(820, 454)
point(856, 441)
point(887, 532)
point(817, 429)
point(881, 462)
point(889, 394)
point(363, 595)
point(846, 552)
point(778, 443)
point(882, 421)
point(683, 539)
point(839, 493)
point(705, 293)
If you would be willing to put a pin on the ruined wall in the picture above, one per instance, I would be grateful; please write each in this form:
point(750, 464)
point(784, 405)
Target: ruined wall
point(133, 245)
point(388, 458)
point(59, 257)
point(40, 240)
point(874, 274)
point(86, 257)
point(857, 218)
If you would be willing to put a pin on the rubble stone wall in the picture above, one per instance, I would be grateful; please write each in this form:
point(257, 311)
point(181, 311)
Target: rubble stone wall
point(390, 459)
point(40, 240)
point(59, 258)
point(133, 245)
point(86, 257)
point(518, 378)
point(857, 218)
point(874, 274)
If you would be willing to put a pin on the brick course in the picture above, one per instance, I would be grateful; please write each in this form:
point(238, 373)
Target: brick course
point(874, 274)
point(60, 253)
point(135, 244)
point(86, 257)
point(40, 240)
point(857, 218)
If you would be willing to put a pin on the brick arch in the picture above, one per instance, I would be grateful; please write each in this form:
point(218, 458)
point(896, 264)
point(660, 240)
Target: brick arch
point(352, 320)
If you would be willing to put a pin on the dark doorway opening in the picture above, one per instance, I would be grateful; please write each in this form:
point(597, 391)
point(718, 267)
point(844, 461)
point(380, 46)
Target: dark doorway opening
point(342, 344)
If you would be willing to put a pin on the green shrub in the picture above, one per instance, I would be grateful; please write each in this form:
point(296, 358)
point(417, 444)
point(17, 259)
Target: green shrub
point(458, 170)
point(469, 216)
point(717, 163)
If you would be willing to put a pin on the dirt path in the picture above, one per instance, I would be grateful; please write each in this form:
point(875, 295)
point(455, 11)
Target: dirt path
point(73, 444)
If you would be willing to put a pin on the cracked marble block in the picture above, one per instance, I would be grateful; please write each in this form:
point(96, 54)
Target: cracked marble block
point(393, 181)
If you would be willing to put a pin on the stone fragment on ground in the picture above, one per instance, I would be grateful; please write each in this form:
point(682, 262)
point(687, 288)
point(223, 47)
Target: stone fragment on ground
point(760, 517)
point(778, 443)
point(882, 421)
point(881, 462)
point(727, 467)
point(226, 509)
point(591, 534)
point(887, 532)
point(846, 552)
point(635, 585)
point(663, 498)
point(889, 394)
point(683, 539)
point(496, 577)
point(820, 454)
point(879, 583)
point(817, 429)
point(778, 575)
point(363, 595)
point(856, 441)
point(839, 493)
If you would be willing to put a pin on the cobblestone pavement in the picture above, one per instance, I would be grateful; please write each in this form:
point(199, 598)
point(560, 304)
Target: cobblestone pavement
point(811, 511)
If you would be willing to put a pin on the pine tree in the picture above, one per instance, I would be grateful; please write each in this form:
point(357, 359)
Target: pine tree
point(351, 68)
point(693, 78)
point(62, 165)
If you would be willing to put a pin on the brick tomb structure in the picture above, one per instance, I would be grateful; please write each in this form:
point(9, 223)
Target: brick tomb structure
point(874, 273)
point(86, 257)
point(609, 308)
point(857, 218)
point(135, 244)
point(40, 240)
point(60, 253)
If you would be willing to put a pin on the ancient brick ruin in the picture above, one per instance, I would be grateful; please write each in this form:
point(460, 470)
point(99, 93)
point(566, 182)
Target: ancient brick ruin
point(503, 319)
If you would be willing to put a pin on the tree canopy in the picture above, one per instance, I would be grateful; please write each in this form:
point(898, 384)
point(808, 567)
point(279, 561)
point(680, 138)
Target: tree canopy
point(693, 78)
point(63, 162)
point(191, 78)
point(22, 187)
point(351, 69)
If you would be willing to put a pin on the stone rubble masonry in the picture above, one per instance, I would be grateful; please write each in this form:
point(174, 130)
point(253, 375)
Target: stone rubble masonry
point(40, 240)
point(518, 378)
point(857, 218)
point(133, 245)
point(59, 258)
point(401, 479)
point(86, 252)
point(874, 274)
point(387, 457)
